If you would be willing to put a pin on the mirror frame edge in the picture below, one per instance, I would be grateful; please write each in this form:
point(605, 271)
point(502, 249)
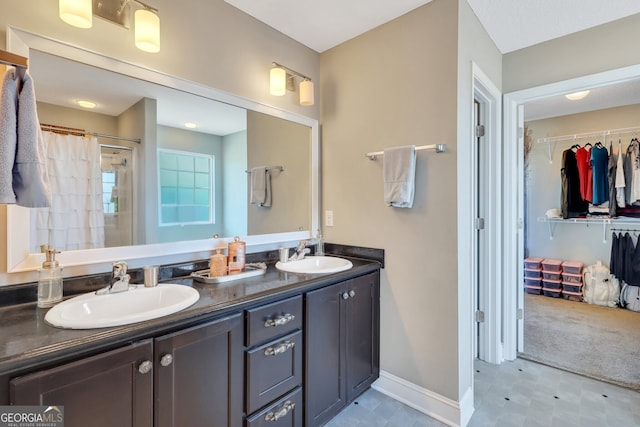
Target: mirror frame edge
point(20, 260)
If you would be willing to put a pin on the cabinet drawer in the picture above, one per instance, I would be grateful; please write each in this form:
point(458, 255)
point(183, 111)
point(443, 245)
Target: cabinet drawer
point(272, 320)
point(286, 412)
point(273, 369)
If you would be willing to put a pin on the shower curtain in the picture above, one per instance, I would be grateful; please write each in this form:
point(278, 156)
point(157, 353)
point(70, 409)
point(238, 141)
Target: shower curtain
point(75, 219)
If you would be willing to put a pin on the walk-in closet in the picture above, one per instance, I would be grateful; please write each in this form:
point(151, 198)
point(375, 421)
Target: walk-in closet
point(582, 223)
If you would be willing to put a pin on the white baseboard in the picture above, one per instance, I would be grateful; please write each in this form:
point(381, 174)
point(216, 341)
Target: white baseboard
point(441, 408)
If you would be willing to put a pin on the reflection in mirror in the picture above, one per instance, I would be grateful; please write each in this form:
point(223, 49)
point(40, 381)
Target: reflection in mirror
point(188, 177)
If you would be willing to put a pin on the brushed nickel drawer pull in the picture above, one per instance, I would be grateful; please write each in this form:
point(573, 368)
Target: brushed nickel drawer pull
point(283, 411)
point(279, 349)
point(279, 321)
point(166, 360)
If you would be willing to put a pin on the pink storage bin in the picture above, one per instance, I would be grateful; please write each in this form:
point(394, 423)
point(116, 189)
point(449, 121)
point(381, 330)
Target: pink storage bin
point(571, 287)
point(535, 273)
point(551, 275)
point(534, 290)
point(530, 281)
point(533, 263)
point(552, 284)
point(553, 293)
point(572, 267)
point(571, 278)
point(572, 296)
point(552, 265)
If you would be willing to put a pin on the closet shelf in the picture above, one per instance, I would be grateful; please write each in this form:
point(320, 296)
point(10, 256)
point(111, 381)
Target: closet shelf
point(604, 222)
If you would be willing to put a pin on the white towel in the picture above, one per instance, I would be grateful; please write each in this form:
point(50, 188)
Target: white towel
point(8, 134)
point(260, 193)
point(30, 180)
point(399, 171)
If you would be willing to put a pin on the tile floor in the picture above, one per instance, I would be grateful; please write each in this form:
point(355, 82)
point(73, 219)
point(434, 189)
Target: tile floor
point(514, 394)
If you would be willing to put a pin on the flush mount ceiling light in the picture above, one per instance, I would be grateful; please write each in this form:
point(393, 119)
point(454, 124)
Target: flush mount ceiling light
point(281, 79)
point(86, 104)
point(190, 125)
point(147, 22)
point(577, 95)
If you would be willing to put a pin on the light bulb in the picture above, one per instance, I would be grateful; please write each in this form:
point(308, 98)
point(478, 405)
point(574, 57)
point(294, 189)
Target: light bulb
point(147, 31)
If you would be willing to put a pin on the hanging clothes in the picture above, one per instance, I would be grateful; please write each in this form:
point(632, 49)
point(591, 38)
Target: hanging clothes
point(599, 164)
point(583, 160)
point(620, 182)
point(571, 201)
point(630, 154)
point(635, 173)
point(611, 176)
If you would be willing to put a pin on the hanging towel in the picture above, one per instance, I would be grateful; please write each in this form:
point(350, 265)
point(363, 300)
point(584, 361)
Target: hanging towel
point(30, 180)
point(8, 134)
point(399, 170)
point(260, 193)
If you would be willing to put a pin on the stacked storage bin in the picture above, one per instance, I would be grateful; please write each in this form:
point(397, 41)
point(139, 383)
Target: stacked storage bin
point(572, 280)
point(533, 275)
point(552, 277)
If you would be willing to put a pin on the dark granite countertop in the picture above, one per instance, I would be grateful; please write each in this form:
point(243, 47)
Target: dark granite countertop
point(28, 341)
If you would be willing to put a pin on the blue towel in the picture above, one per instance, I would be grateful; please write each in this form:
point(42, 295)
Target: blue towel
point(399, 172)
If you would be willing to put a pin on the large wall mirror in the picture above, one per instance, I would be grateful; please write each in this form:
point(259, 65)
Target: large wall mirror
point(166, 188)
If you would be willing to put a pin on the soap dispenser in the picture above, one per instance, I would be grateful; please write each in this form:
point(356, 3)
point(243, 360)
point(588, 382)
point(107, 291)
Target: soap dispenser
point(50, 279)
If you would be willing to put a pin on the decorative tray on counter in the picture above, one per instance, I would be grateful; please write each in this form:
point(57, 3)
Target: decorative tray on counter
point(250, 270)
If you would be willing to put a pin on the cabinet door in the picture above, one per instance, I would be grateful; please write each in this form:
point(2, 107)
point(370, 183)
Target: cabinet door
point(363, 326)
point(199, 375)
point(107, 390)
point(325, 392)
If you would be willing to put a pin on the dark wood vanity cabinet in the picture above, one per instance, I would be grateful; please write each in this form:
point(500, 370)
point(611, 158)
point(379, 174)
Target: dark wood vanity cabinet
point(189, 378)
point(342, 329)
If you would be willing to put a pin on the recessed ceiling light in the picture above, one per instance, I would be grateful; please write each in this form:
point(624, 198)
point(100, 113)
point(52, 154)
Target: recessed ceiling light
point(86, 104)
point(577, 95)
point(190, 125)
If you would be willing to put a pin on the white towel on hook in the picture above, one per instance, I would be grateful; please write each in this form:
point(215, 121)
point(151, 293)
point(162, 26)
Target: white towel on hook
point(399, 172)
point(8, 134)
point(260, 193)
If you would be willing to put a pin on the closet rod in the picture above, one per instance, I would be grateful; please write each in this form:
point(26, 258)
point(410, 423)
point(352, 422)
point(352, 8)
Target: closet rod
point(81, 132)
point(11, 59)
point(440, 148)
point(598, 134)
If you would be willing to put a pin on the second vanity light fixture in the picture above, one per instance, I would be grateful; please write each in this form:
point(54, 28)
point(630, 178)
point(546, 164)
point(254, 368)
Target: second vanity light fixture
point(282, 79)
point(79, 13)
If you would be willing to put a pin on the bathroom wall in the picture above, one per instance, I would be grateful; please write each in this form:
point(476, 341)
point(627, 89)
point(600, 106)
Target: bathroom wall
point(605, 47)
point(234, 164)
point(398, 85)
point(576, 242)
point(208, 41)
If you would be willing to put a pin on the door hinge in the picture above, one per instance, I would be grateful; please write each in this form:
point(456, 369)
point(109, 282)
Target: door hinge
point(479, 223)
point(479, 131)
point(479, 316)
point(520, 314)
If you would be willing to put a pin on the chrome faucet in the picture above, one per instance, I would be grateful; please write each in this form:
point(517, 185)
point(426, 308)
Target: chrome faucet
point(119, 280)
point(301, 251)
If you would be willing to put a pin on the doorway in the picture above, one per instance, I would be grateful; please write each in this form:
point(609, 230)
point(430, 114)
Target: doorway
point(117, 194)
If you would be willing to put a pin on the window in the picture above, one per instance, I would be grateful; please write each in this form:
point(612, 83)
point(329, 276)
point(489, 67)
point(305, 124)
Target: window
point(186, 187)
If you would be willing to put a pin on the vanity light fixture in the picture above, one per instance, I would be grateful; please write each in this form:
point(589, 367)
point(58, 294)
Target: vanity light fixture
point(282, 79)
point(79, 13)
point(577, 95)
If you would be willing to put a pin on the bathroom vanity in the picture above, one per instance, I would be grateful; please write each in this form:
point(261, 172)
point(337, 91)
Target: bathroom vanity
point(281, 349)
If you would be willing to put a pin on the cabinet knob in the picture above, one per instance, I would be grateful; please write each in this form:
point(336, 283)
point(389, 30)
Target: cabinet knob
point(352, 293)
point(279, 349)
point(145, 367)
point(283, 411)
point(345, 295)
point(166, 360)
point(279, 321)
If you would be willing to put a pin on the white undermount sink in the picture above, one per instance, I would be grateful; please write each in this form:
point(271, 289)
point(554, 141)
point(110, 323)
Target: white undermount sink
point(315, 265)
point(89, 311)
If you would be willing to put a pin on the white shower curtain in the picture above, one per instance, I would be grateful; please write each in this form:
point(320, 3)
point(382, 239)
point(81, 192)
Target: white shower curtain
point(75, 219)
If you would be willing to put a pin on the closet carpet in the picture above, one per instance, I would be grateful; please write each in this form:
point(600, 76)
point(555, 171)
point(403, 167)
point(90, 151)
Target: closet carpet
point(599, 342)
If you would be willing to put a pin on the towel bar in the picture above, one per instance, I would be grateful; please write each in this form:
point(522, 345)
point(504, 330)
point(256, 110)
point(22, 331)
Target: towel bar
point(271, 168)
point(440, 148)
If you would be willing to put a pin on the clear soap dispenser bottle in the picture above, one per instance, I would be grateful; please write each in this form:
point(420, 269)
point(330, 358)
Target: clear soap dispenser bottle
point(320, 242)
point(50, 279)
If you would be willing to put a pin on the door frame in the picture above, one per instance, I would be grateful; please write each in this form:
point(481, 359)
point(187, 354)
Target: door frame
point(487, 252)
point(513, 179)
